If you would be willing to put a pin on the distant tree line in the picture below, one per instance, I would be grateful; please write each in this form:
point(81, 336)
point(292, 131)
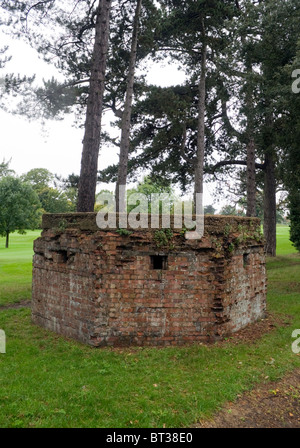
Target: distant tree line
point(23, 199)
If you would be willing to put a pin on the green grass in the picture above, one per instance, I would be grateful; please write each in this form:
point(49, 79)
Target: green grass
point(284, 245)
point(48, 381)
point(16, 267)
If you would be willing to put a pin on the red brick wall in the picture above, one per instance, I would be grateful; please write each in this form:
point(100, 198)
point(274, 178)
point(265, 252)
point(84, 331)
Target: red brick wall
point(100, 287)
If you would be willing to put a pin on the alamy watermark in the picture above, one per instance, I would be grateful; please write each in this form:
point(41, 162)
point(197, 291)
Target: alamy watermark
point(2, 342)
point(296, 83)
point(151, 212)
point(296, 343)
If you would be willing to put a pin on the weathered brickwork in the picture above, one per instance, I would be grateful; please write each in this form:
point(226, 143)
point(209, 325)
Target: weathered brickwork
point(104, 287)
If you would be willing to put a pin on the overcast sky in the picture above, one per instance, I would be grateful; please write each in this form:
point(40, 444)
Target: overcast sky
point(59, 148)
point(58, 145)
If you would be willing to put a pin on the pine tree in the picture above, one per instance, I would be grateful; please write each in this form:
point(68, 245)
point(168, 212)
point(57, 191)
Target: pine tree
point(126, 115)
point(91, 140)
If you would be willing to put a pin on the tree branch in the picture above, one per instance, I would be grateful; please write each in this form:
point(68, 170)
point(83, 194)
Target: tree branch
point(179, 50)
point(118, 112)
point(227, 122)
point(189, 160)
point(237, 5)
point(212, 169)
point(35, 6)
point(75, 83)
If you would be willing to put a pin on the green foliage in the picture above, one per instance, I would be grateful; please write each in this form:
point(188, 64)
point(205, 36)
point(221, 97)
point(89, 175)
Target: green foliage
point(57, 99)
point(38, 178)
point(62, 225)
point(294, 216)
point(12, 85)
point(149, 186)
point(70, 188)
point(231, 210)
point(209, 210)
point(5, 170)
point(163, 238)
point(53, 200)
point(108, 201)
point(231, 247)
point(124, 232)
point(227, 229)
point(19, 207)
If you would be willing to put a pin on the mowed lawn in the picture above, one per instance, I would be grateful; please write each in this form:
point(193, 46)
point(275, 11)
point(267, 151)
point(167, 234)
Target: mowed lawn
point(284, 245)
point(49, 381)
point(16, 267)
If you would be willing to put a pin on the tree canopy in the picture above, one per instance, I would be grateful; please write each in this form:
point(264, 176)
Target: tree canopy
point(19, 207)
point(234, 120)
point(55, 195)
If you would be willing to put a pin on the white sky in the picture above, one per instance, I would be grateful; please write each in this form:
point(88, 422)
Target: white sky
point(58, 146)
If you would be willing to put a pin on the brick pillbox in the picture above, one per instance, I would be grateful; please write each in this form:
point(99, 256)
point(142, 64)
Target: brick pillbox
point(147, 287)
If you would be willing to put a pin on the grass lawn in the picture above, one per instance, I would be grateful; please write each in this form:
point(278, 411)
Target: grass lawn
point(48, 381)
point(284, 245)
point(16, 267)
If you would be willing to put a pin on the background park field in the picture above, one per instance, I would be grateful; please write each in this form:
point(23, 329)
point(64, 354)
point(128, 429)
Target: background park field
point(49, 381)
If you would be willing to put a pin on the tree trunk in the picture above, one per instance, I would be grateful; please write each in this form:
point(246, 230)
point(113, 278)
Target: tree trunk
point(7, 240)
point(126, 116)
point(270, 205)
point(250, 147)
point(91, 140)
point(201, 122)
point(251, 182)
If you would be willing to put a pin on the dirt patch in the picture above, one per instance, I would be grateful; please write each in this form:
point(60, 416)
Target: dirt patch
point(271, 405)
point(256, 330)
point(14, 306)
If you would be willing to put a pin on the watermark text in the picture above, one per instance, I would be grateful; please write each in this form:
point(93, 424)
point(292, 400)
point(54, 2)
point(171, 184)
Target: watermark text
point(296, 83)
point(296, 343)
point(141, 211)
point(2, 342)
